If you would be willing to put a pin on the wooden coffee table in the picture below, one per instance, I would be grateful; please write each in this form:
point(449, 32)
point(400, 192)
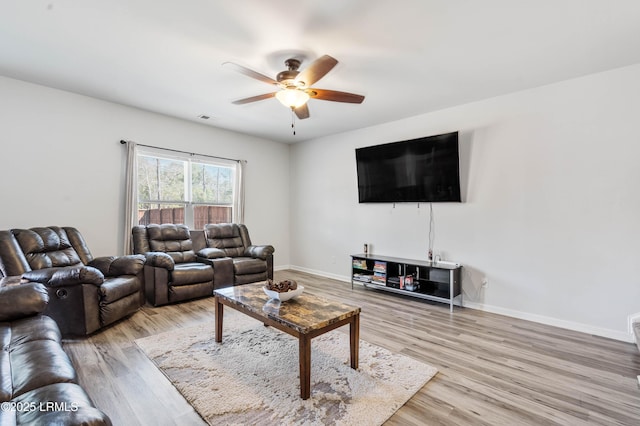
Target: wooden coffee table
point(304, 317)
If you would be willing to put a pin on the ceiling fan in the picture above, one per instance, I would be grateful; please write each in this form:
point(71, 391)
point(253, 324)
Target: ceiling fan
point(295, 86)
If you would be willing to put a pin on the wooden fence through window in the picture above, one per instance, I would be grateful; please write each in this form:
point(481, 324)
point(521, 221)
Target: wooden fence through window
point(201, 215)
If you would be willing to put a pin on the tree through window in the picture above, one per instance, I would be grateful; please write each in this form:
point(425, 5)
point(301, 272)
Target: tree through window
point(185, 190)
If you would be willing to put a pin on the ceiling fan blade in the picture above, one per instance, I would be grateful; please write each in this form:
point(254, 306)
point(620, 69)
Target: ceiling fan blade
point(249, 72)
point(302, 112)
point(335, 96)
point(318, 69)
point(254, 99)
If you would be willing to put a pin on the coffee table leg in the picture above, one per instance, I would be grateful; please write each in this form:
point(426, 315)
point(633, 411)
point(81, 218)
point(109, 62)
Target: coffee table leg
point(354, 340)
point(219, 314)
point(305, 366)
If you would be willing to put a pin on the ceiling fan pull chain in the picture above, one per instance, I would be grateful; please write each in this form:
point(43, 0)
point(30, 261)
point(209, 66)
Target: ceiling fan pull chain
point(293, 121)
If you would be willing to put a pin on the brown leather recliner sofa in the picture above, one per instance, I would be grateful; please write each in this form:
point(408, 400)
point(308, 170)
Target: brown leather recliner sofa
point(183, 265)
point(244, 261)
point(86, 293)
point(173, 271)
point(38, 384)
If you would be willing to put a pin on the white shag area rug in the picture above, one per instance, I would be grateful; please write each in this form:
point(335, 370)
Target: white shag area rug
point(252, 377)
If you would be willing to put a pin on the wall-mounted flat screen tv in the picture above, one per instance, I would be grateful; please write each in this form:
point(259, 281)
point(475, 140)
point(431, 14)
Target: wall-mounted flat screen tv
point(417, 170)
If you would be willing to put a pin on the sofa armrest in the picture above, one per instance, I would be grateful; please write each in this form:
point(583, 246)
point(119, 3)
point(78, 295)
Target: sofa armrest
point(23, 300)
point(159, 259)
point(260, 252)
point(211, 253)
point(114, 266)
point(59, 277)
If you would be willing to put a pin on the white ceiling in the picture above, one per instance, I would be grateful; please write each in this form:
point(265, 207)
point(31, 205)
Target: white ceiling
point(407, 57)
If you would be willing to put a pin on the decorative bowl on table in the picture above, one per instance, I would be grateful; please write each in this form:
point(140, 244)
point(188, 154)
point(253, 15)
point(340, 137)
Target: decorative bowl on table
point(283, 290)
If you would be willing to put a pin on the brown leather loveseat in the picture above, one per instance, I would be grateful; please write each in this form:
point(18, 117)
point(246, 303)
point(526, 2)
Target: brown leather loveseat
point(38, 384)
point(86, 293)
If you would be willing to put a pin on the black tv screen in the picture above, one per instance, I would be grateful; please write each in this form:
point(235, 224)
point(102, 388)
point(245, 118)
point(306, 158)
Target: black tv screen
point(417, 170)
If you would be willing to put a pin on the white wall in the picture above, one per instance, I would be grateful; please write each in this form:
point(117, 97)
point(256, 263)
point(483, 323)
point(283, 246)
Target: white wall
point(552, 203)
point(61, 163)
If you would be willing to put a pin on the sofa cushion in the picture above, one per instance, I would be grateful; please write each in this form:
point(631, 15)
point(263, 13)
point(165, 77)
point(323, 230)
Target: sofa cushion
point(39, 363)
point(116, 288)
point(191, 273)
point(47, 247)
point(32, 329)
point(175, 240)
point(114, 266)
point(248, 265)
point(227, 237)
point(112, 312)
point(31, 356)
point(13, 261)
point(66, 276)
point(59, 404)
point(22, 300)
point(178, 293)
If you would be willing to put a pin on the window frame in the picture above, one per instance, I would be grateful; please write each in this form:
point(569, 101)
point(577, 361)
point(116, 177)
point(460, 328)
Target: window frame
point(188, 161)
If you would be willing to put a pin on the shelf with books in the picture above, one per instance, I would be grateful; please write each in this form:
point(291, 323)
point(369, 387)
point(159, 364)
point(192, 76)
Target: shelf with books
point(435, 281)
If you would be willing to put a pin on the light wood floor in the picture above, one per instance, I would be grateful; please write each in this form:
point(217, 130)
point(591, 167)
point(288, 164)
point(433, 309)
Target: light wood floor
point(493, 370)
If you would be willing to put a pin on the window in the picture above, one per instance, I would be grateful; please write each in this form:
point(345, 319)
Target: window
point(185, 189)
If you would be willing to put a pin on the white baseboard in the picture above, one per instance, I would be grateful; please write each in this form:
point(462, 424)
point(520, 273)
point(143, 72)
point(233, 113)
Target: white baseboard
point(569, 325)
point(343, 278)
point(555, 322)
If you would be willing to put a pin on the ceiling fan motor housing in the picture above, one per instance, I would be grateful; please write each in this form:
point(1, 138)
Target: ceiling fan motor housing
point(287, 78)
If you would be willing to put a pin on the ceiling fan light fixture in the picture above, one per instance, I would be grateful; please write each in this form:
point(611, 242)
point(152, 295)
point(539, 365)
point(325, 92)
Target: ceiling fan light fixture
point(292, 98)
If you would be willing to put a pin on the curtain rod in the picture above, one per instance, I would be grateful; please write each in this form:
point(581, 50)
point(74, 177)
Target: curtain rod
point(122, 142)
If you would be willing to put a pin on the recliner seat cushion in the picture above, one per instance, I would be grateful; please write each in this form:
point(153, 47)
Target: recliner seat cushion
point(118, 287)
point(178, 293)
point(248, 265)
point(112, 312)
point(191, 273)
point(250, 278)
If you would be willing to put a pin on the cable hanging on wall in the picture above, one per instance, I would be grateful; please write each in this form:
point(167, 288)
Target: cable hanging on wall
point(431, 231)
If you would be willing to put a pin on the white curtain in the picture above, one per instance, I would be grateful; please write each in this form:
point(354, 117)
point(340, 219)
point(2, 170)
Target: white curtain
point(238, 202)
point(131, 196)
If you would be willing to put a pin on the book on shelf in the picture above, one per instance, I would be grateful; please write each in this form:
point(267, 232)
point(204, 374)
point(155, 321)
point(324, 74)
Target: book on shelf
point(359, 264)
point(362, 278)
point(379, 278)
point(380, 266)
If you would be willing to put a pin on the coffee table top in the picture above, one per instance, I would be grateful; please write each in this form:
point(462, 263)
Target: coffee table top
point(304, 313)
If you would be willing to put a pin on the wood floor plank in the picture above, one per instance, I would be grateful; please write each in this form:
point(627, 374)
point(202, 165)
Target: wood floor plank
point(493, 370)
